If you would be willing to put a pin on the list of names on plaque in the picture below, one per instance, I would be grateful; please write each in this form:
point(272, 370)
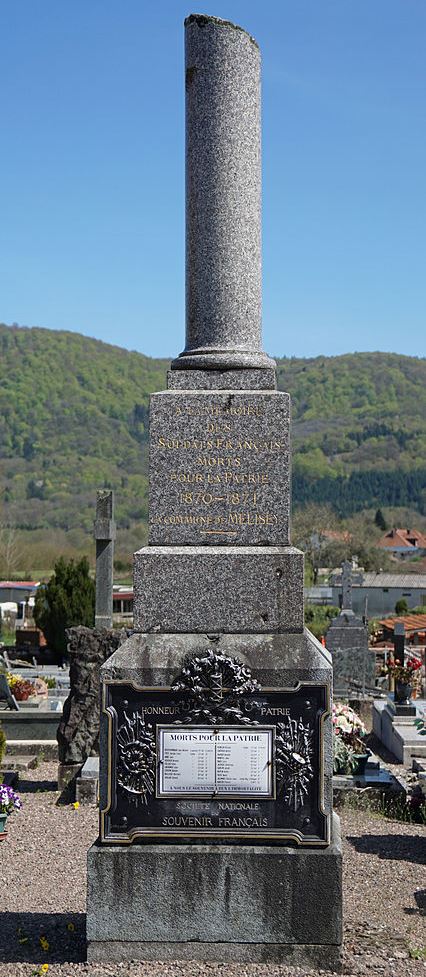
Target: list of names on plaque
point(199, 760)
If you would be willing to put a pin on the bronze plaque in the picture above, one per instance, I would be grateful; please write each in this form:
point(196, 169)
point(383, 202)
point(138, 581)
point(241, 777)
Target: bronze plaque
point(215, 760)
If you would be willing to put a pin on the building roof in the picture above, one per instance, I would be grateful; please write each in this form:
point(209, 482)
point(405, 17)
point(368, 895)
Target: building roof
point(16, 584)
point(404, 581)
point(407, 539)
point(412, 622)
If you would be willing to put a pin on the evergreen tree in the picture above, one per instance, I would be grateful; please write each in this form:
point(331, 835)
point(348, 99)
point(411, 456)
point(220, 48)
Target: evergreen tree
point(67, 600)
point(380, 520)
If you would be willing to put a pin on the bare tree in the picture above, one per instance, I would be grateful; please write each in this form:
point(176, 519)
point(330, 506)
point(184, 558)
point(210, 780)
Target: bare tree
point(10, 550)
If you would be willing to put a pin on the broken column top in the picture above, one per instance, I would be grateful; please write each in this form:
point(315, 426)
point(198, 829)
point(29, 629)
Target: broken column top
point(223, 199)
point(203, 20)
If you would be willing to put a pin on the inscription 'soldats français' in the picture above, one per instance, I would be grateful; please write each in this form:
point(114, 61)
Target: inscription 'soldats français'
point(219, 468)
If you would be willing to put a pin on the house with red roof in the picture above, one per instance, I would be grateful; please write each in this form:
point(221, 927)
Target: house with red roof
point(404, 542)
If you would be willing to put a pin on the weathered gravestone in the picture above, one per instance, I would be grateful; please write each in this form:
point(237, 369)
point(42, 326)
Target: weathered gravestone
point(217, 836)
point(347, 638)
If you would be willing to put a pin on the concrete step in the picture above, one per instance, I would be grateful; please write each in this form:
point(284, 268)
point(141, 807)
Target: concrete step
point(20, 762)
point(48, 748)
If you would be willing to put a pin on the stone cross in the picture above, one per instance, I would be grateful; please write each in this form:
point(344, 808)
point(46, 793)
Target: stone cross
point(347, 586)
point(223, 198)
point(104, 532)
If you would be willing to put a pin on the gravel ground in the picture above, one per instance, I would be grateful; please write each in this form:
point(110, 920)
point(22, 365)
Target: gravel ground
point(43, 876)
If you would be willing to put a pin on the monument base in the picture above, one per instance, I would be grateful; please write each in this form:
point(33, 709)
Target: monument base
point(216, 902)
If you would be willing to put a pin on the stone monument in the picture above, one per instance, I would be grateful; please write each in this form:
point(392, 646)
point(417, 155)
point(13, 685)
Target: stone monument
point(347, 638)
point(217, 835)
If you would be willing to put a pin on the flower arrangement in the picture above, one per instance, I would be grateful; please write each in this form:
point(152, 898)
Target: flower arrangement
point(21, 687)
point(348, 725)
point(402, 672)
point(9, 800)
point(349, 752)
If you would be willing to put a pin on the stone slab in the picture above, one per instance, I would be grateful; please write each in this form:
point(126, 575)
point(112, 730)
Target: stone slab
point(204, 894)
point(22, 762)
point(86, 791)
point(49, 748)
point(401, 709)
point(30, 725)
point(221, 380)
point(276, 660)
point(67, 773)
point(90, 769)
point(398, 734)
point(245, 589)
point(219, 468)
point(327, 957)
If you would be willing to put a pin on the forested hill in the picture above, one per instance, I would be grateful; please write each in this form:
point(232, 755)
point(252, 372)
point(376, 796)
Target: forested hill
point(359, 429)
point(74, 416)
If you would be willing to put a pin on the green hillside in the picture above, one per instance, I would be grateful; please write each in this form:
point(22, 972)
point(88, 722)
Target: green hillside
point(359, 429)
point(74, 415)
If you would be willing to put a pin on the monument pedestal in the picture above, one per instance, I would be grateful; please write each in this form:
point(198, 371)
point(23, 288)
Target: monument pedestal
point(225, 903)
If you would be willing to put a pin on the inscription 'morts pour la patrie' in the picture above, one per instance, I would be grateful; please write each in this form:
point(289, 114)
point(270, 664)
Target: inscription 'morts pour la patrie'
point(219, 468)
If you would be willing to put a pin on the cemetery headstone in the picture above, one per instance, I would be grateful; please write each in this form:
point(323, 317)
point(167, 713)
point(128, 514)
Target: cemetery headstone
point(347, 638)
point(216, 736)
point(104, 532)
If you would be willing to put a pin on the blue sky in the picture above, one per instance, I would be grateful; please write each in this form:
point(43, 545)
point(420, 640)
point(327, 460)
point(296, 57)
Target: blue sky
point(92, 175)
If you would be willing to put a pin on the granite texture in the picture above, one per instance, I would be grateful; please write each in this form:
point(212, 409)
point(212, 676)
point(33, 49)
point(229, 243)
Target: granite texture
point(278, 896)
point(219, 468)
point(275, 660)
point(223, 198)
point(234, 589)
point(354, 665)
point(221, 380)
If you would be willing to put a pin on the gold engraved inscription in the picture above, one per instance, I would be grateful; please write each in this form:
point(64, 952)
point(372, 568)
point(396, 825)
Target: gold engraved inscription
point(222, 473)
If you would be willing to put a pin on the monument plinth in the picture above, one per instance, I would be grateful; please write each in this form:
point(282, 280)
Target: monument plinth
point(216, 735)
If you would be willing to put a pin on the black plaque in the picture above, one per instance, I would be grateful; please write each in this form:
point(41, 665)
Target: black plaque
point(289, 738)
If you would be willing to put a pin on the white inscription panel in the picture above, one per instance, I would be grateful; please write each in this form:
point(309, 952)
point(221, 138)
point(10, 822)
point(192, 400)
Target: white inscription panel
point(232, 760)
